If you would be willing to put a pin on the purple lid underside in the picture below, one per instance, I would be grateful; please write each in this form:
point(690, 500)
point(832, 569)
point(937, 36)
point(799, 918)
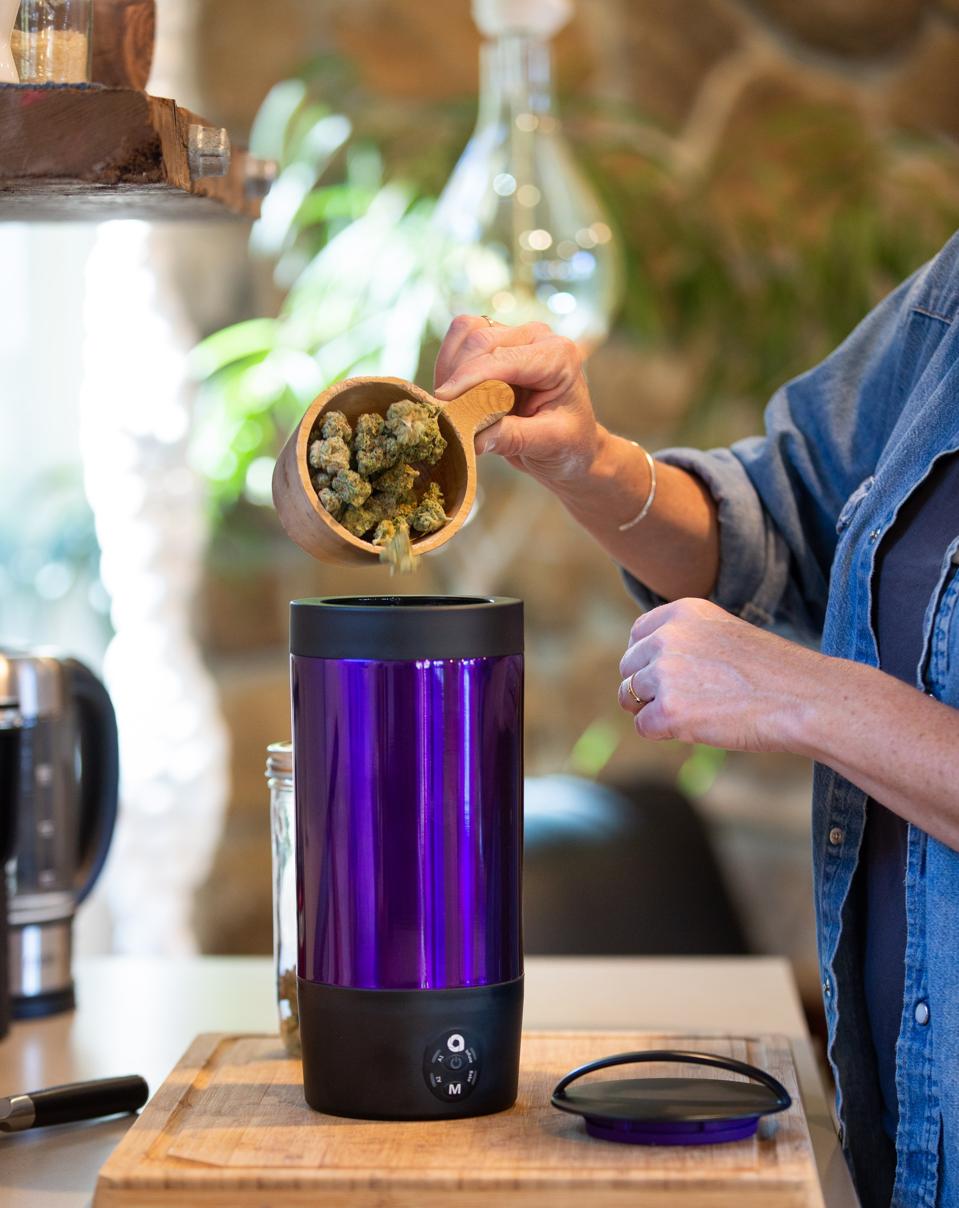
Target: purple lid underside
point(633, 1132)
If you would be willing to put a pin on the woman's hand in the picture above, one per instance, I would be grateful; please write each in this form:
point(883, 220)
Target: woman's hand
point(603, 481)
point(552, 433)
point(709, 677)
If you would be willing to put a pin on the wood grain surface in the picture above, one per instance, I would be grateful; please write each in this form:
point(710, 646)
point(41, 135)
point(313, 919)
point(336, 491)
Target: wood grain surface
point(124, 32)
point(230, 1127)
point(77, 152)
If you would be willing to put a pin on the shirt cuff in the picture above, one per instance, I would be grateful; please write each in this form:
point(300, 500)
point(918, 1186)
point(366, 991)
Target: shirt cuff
point(743, 536)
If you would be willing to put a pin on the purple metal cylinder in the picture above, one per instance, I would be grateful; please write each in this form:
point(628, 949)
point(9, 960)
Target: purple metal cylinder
point(408, 782)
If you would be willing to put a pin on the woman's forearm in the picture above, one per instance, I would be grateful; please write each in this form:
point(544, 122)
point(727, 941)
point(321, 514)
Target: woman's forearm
point(674, 550)
point(898, 745)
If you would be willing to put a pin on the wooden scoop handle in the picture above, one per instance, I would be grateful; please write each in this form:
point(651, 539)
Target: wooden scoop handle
point(480, 408)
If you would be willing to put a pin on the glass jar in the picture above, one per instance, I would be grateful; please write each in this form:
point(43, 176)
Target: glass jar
point(8, 65)
point(53, 41)
point(279, 775)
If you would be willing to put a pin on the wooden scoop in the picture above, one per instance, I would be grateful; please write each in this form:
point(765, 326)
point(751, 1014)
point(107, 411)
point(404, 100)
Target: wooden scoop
point(312, 527)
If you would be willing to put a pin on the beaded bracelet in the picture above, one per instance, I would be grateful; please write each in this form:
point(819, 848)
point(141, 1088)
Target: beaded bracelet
point(644, 511)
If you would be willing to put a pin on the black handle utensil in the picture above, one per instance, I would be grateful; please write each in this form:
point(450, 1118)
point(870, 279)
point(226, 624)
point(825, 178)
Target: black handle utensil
point(77, 1101)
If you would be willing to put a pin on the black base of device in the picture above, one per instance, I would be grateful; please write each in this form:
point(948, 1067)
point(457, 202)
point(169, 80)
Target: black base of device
point(39, 1006)
point(410, 1054)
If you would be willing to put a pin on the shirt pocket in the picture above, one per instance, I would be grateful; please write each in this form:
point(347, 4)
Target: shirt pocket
point(942, 673)
point(851, 506)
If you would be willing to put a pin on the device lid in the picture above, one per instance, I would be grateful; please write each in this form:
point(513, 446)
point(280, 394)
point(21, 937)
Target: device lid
point(672, 1111)
point(406, 627)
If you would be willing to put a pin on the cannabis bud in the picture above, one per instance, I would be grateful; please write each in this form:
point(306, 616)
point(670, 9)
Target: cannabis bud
point(366, 479)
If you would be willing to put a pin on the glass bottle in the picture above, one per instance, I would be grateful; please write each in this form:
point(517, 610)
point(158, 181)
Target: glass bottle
point(524, 234)
point(8, 66)
point(279, 774)
point(53, 42)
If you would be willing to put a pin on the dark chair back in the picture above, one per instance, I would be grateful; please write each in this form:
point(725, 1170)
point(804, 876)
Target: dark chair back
point(622, 870)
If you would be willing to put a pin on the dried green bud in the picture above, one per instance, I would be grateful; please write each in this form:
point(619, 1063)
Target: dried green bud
point(404, 510)
point(384, 533)
point(397, 483)
point(415, 428)
point(377, 499)
point(430, 514)
point(351, 488)
point(373, 451)
point(331, 454)
point(331, 501)
point(369, 426)
point(335, 424)
point(396, 551)
point(359, 520)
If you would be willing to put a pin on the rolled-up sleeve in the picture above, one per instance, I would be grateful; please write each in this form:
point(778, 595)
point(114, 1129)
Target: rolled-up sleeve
point(753, 565)
point(778, 496)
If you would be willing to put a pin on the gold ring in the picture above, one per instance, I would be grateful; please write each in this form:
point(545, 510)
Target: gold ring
point(632, 692)
point(488, 320)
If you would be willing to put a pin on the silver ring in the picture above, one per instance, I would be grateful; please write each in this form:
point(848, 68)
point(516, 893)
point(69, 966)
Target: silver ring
point(488, 320)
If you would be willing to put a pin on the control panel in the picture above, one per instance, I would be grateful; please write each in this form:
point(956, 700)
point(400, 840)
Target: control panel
point(451, 1065)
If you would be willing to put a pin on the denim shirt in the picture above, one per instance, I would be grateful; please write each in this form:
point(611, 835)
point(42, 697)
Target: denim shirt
point(801, 513)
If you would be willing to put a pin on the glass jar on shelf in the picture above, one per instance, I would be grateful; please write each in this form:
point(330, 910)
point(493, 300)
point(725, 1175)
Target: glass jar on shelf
point(279, 775)
point(53, 41)
point(8, 67)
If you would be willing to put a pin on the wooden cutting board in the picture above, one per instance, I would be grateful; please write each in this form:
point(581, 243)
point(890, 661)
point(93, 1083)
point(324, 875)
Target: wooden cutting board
point(229, 1129)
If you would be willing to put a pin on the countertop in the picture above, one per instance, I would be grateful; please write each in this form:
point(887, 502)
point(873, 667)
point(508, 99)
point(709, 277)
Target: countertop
point(139, 1015)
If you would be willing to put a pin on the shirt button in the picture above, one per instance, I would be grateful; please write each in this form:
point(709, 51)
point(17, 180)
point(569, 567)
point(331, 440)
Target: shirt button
point(827, 988)
point(921, 1013)
point(874, 535)
point(836, 836)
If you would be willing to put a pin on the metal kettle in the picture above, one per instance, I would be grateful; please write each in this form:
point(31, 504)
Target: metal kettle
point(59, 775)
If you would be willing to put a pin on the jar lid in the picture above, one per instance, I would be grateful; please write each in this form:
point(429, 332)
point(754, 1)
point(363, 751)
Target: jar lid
point(279, 760)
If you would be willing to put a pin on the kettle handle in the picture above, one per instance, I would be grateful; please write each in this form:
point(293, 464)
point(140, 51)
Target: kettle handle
point(100, 773)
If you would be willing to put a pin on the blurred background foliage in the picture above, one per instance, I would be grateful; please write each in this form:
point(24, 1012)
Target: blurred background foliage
point(748, 256)
point(351, 250)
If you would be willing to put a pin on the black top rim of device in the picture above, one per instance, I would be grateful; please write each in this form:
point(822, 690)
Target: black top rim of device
point(406, 627)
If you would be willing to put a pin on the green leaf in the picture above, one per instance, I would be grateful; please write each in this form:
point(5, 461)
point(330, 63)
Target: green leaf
point(251, 338)
point(270, 126)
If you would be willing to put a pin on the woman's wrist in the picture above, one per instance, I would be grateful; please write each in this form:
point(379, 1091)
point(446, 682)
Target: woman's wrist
point(605, 469)
point(824, 696)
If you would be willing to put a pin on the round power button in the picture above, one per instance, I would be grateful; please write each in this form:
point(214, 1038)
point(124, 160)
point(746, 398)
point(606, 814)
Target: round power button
point(451, 1066)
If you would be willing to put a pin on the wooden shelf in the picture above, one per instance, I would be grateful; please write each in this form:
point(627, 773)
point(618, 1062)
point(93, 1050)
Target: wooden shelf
point(86, 152)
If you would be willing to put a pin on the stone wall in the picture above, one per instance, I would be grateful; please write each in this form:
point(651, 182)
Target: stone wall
point(763, 117)
point(664, 57)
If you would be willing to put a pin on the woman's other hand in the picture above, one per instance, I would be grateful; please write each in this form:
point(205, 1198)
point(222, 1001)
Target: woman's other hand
point(709, 677)
point(552, 433)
